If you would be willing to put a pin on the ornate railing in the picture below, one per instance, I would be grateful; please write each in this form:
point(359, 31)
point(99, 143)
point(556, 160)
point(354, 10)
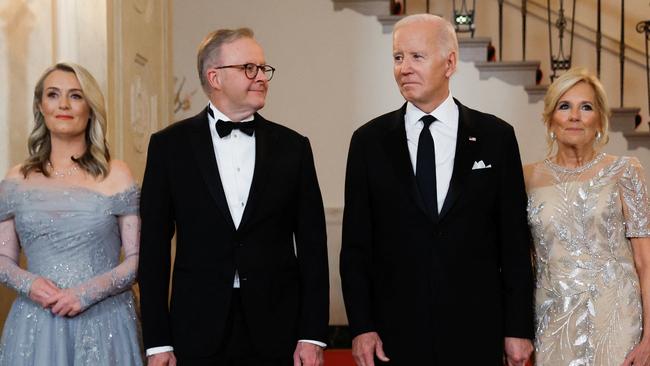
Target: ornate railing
point(560, 59)
point(463, 16)
point(644, 27)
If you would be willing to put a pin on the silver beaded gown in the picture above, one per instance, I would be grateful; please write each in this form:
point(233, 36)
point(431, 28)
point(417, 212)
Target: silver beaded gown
point(587, 299)
point(72, 236)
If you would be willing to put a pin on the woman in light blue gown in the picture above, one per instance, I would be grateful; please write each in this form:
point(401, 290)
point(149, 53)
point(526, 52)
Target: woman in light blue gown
point(72, 210)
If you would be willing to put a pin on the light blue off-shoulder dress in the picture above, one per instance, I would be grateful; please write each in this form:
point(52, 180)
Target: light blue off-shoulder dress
point(74, 237)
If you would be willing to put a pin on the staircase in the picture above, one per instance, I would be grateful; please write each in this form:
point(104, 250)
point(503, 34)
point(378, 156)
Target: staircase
point(515, 73)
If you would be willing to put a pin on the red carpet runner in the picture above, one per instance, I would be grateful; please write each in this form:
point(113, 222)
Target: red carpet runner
point(343, 357)
point(338, 357)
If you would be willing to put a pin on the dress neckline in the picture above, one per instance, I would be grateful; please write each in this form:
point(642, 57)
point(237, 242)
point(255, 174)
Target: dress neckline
point(21, 183)
point(561, 169)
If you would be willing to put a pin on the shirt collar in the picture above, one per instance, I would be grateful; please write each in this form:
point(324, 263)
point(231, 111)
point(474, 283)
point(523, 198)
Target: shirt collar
point(446, 113)
point(218, 115)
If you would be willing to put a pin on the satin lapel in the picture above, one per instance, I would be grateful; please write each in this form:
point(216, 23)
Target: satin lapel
point(264, 142)
point(201, 142)
point(398, 153)
point(466, 149)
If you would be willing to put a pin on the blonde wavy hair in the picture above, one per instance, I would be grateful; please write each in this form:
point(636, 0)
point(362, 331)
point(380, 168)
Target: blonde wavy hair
point(96, 158)
point(560, 86)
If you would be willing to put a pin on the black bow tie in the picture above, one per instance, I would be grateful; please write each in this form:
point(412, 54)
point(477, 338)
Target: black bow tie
point(224, 128)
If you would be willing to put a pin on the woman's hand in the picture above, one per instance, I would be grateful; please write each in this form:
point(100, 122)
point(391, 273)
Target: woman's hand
point(66, 303)
point(43, 292)
point(640, 355)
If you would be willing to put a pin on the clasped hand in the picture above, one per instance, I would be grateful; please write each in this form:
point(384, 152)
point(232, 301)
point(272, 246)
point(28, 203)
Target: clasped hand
point(63, 302)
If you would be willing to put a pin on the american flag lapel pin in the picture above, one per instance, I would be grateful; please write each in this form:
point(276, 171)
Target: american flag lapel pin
point(472, 138)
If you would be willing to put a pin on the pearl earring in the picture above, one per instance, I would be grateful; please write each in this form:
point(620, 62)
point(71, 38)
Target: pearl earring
point(552, 136)
point(599, 136)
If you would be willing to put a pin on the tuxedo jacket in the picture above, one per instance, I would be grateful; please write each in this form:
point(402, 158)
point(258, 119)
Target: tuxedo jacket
point(446, 290)
point(284, 288)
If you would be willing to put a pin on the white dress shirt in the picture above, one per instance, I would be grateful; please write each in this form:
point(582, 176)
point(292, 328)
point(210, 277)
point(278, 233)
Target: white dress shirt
point(235, 155)
point(444, 132)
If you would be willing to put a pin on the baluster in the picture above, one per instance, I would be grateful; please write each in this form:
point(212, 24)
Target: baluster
point(562, 61)
point(523, 29)
point(463, 17)
point(622, 49)
point(599, 39)
point(500, 30)
point(644, 27)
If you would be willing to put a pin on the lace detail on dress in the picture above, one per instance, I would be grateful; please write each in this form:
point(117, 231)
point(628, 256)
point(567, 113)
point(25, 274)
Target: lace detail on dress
point(588, 305)
point(7, 201)
point(560, 169)
point(11, 274)
point(121, 277)
point(72, 236)
point(635, 201)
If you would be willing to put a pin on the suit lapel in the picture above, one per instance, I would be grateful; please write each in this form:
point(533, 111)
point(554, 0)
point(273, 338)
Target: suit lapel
point(264, 142)
point(466, 150)
point(397, 150)
point(201, 142)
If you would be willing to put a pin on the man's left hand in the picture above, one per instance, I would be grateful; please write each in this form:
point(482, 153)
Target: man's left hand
point(308, 354)
point(518, 351)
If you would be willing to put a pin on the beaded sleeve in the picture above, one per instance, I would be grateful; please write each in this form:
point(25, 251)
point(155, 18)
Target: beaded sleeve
point(120, 278)
point(11, 274)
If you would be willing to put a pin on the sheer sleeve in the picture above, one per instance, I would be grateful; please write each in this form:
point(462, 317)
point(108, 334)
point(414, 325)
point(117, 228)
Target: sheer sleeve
point(11, 274)
point(634, 194)
point(121, 277)
point(7, 199)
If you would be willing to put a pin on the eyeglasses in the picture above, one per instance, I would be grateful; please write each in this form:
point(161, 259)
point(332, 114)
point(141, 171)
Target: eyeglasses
point(251, 70)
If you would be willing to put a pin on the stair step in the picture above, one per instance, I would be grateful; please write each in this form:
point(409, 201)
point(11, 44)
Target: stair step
point(388, 21)
point(536, 92)
point(637, 139)
point(365, 7)
point(512, 72)
point(473, 49)
point(622, 119)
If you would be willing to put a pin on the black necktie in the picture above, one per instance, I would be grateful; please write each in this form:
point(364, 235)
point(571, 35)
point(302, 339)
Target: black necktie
point(425, 170)
point(224, 128)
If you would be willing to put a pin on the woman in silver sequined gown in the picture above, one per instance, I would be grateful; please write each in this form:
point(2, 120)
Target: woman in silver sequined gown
point(590, 219)
point(71, 209)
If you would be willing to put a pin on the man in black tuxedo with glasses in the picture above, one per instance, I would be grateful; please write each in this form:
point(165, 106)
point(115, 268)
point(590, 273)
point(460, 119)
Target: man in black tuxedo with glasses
point(435, 258)
point(250, 277)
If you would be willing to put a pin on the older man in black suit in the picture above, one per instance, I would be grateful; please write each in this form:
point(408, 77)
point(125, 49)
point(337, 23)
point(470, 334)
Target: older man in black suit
point(250, 278)
point(435, 260)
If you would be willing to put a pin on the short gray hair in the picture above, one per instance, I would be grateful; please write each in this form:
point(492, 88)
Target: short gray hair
point(446, 32)
point(210, 50)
